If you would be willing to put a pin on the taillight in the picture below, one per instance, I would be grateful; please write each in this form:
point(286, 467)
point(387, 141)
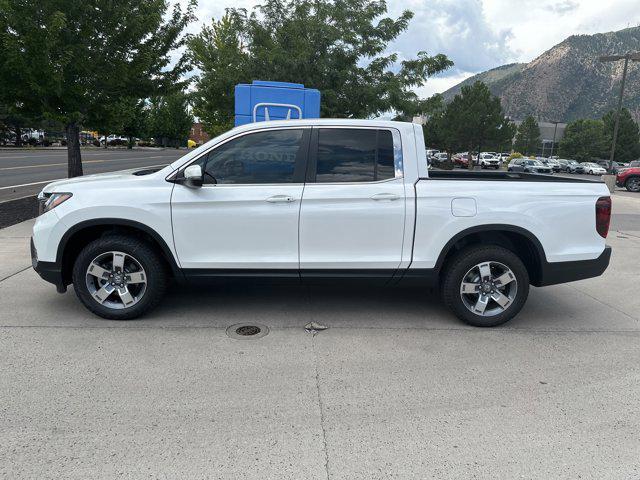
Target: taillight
point(603, 216)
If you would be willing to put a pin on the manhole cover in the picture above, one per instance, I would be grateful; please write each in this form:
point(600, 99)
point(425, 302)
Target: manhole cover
point(247, 331)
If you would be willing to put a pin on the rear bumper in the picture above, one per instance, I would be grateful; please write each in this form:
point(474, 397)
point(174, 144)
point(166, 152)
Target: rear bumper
point(563, 272)
point(49, 271)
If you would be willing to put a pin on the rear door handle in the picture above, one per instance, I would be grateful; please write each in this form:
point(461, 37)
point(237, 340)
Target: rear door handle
point(385, 196)
point(280, 199)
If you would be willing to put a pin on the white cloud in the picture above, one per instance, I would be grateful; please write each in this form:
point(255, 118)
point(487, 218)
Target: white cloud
point(441, 83)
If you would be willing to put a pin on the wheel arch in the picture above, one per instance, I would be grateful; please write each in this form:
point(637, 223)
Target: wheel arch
point(84, 232)
point(517, 239)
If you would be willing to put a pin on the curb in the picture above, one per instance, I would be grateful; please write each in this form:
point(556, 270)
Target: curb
point(18, 210)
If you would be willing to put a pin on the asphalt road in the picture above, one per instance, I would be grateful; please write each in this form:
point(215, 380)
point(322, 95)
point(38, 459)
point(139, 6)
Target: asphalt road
point(395, 388)
point(24, 172)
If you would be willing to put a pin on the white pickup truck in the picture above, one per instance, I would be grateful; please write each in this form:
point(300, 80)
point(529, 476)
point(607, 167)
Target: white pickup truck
point(310, 200)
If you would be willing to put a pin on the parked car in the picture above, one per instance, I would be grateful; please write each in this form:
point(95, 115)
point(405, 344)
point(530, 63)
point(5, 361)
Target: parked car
point(461, 160)
point(316, 199)
point(528, 165)
point(629, 178)
point(575, 167)
point(114, 139)
point(564, 164)
point(554, 164)
point(616, 166)
point(489, 160)
point(439, 158)
point(593, 168)
point(503, 156)
point(432, 152)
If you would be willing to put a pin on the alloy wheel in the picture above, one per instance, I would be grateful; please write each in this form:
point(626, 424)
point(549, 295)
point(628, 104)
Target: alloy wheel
point(116, 280)
point(488, 288)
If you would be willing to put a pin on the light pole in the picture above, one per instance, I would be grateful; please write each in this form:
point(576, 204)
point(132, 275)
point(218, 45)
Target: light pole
point(555, 129)
point(633, 57)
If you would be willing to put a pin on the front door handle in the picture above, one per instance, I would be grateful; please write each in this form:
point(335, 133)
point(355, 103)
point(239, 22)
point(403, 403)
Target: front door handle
point(385, 196)
point(280, 199)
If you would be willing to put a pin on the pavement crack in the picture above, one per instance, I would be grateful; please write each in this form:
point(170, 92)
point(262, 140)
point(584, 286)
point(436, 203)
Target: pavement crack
point(321, 408)
point(14, 274)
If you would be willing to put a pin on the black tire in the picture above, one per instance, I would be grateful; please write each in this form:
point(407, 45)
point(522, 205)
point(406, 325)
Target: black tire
point(152, 263)
point(463, 262)
point(632, 184)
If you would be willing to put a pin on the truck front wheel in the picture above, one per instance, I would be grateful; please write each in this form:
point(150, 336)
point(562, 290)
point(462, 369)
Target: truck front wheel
point(485, 286)
point(119, 277)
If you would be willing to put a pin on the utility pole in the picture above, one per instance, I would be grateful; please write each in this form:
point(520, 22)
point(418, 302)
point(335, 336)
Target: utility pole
point(555, 130)
point(629, 57)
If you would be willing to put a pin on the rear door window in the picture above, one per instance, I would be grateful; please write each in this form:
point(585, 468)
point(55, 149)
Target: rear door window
point(354, 155)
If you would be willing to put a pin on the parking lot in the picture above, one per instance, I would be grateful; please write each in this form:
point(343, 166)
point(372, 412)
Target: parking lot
point(396, 387)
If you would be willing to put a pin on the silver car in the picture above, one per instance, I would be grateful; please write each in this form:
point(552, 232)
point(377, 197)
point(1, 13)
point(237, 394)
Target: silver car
point(528, 165)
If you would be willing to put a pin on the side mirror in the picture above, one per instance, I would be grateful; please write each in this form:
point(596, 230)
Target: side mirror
point(193, 176)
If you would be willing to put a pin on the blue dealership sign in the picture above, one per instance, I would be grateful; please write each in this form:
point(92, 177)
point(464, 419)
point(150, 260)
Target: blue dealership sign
point(261, 101)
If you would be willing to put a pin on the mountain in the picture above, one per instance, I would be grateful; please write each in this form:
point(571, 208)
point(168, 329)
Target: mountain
point(567, 81)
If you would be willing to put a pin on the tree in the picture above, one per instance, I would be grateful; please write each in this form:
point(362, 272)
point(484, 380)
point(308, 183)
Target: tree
point(528, 136)
point(170, 120)
point(337, 46)
point(628, 142)
point(433, 108)
point(584, 140)
point(129, 118)
point(472, 120)
point(71, 60)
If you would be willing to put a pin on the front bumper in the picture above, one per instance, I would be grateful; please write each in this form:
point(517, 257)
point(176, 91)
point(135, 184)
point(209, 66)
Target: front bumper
point(49, 271)
point(563, 272)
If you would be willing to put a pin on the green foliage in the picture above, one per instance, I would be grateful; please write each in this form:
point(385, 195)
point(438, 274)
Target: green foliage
point(584, 140)
point(129, 118)
point(472, 120)
point(337, 46)
point(514, 155)
point(528, 136)
point(71, 60)
point(628, 142)
point(170, 120)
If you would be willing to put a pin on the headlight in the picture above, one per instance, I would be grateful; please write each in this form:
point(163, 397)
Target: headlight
point(51, 201)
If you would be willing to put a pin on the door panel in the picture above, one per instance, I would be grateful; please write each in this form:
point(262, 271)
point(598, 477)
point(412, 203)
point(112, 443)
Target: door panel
point(246, 214)
point(353, 217)
point(352, 226)
point(237, 226)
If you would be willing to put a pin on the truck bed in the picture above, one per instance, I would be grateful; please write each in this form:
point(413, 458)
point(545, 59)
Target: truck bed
point(501, 176)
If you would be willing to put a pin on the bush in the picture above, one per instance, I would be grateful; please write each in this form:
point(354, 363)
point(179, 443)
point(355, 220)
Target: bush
point(514, 155)
point(32, 141)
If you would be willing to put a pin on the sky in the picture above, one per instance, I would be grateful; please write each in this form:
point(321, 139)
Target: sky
point(478, 35)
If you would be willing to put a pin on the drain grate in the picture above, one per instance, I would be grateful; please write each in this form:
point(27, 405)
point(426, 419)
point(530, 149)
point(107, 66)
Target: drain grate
point(247, 331)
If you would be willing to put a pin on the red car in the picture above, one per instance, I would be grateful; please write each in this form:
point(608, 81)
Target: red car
point(629, 178)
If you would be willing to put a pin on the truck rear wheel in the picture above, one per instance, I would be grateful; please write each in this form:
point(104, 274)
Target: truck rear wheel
point(119, 277)
point(485, 286)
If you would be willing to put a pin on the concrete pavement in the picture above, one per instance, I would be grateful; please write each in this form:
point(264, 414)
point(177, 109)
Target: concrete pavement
point(395, 388)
